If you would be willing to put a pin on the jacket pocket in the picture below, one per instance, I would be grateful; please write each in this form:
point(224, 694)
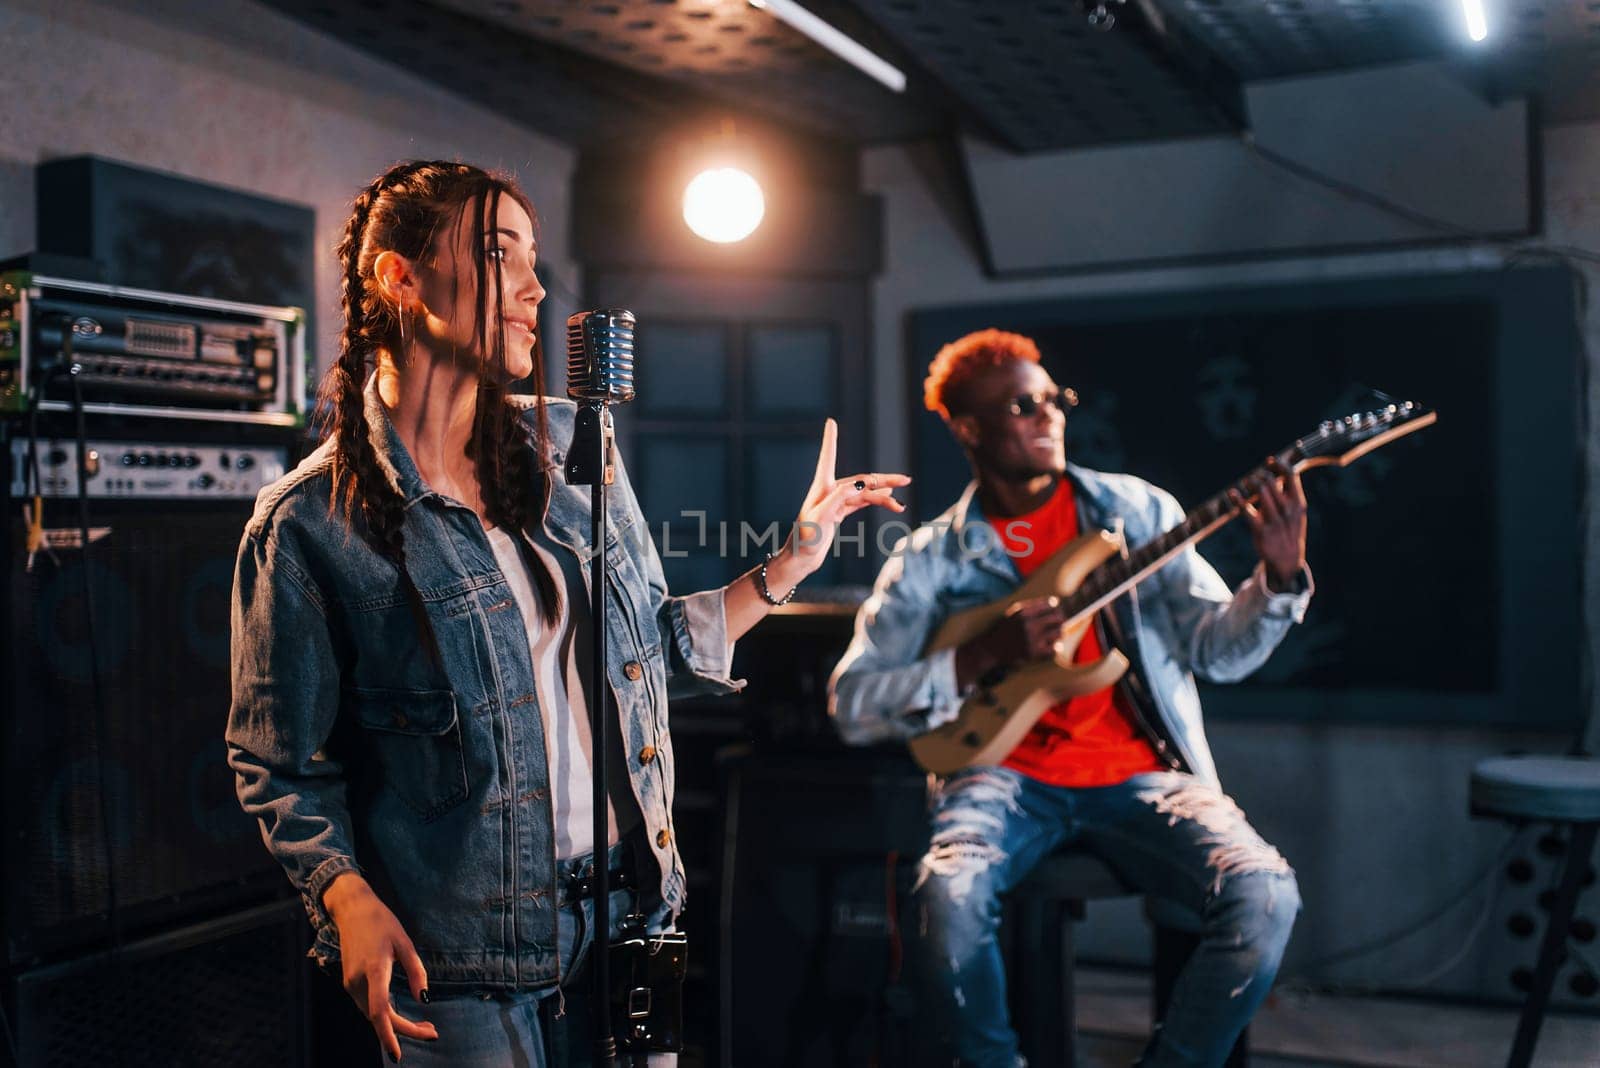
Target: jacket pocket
point(416, 735)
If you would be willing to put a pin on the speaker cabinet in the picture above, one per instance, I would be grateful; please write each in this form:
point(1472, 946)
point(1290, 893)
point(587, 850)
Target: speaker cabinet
point(230, 991)
point(132, 806)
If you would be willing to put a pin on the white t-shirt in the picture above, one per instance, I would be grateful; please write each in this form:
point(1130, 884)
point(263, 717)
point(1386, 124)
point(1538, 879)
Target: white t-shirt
point(561, 667)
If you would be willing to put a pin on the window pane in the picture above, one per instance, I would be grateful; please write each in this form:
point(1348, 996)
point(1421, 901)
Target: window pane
point(682, 367)
point(779, 472)
point(778, 476)
point(673, 476)
point(791, 370)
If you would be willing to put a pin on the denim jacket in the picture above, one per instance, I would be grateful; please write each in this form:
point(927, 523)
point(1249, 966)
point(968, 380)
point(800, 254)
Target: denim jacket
point(1179, 622)
point(357, 753)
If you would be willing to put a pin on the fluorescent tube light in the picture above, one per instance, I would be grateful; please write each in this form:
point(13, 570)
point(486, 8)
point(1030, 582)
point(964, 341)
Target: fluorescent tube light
point(846, 48)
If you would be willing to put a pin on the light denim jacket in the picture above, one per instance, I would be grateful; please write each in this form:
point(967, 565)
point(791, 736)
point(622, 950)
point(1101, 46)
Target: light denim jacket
point(356, 753)
point(1178, 623)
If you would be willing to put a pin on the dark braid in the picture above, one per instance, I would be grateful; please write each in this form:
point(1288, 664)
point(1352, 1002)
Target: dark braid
point(357, 476)
point(403, 209)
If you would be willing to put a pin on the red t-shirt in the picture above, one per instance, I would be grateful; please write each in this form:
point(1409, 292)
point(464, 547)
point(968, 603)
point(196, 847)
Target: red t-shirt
point(1088, 740)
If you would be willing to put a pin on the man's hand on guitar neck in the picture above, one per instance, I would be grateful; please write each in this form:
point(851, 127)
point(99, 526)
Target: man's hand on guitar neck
point(1277, 522)
point(1028, 631)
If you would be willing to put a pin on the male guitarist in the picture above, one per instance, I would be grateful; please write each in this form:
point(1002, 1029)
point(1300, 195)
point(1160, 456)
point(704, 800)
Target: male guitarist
point(1125, 772)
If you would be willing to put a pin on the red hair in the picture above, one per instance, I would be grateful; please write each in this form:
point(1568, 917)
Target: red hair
point(962, 359)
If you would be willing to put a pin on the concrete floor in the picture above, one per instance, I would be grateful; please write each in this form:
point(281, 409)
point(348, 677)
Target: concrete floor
point(1302, 1029)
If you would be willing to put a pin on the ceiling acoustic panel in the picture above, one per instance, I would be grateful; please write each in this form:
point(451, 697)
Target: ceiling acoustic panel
point(1278, 38)
point(1040, 77)
point(728, 51)
point(1030, 75)
point(519, 76)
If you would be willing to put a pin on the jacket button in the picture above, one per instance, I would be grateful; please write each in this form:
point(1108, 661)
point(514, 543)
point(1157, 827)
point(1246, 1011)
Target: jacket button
point(632, 670)
point(647, 754)
point(663, 836)
point(400, 719)
point(1161, 747)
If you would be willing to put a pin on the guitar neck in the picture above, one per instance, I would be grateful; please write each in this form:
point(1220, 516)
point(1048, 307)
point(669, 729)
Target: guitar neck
point(1120, 574)
point(1335, 442)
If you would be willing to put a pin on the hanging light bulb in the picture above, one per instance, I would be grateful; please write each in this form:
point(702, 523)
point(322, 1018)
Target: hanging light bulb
point(723, 204)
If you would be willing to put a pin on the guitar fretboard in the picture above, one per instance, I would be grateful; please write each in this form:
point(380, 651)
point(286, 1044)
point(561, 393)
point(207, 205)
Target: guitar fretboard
point(1119, 574)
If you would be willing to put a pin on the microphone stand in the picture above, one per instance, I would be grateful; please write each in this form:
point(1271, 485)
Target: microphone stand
point(590, 462)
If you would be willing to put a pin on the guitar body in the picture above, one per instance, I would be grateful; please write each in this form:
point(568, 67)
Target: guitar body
point(994, 719)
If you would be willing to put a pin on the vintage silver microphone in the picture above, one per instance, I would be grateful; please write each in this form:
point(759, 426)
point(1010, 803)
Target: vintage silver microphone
point(600, 356)
point(599, 374)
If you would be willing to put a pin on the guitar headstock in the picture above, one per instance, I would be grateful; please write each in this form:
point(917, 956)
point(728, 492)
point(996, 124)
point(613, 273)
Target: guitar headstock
point(1342, 441)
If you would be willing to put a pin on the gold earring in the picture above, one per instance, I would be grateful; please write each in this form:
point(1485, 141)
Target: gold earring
point(400, 314)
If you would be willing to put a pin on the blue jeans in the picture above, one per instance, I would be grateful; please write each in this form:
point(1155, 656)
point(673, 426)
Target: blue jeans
point(547, 1028)
point(1168, 834)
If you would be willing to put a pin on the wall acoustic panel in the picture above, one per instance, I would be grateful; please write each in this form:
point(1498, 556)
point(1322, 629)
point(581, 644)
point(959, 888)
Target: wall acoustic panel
point(1411, 134)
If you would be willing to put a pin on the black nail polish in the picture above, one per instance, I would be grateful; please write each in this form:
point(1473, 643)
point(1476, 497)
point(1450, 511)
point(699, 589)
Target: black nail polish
point(425, 999)
point(393, 1059)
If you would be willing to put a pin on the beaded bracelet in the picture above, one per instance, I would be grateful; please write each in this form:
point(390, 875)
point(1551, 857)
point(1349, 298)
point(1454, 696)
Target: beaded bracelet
point(766, 594)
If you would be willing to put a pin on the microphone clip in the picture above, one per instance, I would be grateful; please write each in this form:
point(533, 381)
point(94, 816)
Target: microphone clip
point(592, 458)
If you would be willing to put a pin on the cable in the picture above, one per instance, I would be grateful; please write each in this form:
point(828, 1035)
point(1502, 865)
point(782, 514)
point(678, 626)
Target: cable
point(1432, 916)
point(896, 946)
point(1361, 195)
point(1588, 736)
point(11, 1042)
point(1349, 190)
point(1468, 941)
point(98, 717)
point(34, 516)
point(730, 864)
point(1584, 960)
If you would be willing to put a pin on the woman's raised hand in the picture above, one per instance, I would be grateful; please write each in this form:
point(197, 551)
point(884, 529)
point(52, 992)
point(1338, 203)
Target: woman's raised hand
point(829, 500)
point(370, 941)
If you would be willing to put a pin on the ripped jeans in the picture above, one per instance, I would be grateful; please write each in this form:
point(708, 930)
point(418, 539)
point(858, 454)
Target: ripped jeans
point(1167, 833)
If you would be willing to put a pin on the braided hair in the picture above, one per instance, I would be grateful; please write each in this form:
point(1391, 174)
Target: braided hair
point(402, 210)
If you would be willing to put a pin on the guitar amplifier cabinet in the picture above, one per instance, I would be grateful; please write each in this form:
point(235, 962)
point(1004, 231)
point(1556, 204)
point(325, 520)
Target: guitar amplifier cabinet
point(817, 932)
point(134, 806)
point(226, 991)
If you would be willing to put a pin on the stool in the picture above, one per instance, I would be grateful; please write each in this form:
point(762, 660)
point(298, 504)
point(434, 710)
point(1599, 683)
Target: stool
point(1560, 790)
point(1043, 908)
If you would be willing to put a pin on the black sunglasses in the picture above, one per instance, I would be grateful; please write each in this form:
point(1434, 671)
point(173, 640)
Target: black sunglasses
point(1028, 404)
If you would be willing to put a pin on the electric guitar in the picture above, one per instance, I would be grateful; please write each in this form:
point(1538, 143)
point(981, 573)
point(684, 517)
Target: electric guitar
point(1090, 572)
